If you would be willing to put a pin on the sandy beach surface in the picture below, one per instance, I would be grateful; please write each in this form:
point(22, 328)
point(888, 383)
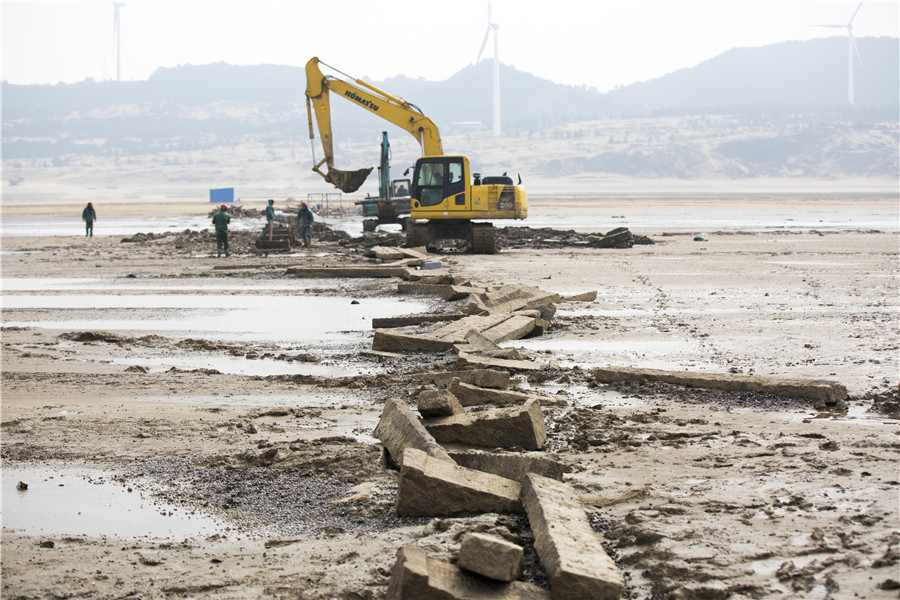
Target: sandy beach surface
point(198, 427)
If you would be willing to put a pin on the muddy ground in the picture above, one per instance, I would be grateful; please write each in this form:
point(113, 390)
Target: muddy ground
point(696, 494)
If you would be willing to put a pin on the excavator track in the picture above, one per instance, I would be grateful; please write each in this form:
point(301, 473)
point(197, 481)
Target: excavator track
point(483, 238)
point(416, 234)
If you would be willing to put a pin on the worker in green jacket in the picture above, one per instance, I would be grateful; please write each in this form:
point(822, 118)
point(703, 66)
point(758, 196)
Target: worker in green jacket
point(305, 216)
point(89, 215)
point(221, 220)
point(270, 218)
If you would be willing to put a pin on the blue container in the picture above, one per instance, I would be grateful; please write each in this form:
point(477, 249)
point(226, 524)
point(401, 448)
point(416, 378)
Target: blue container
point(221, 195)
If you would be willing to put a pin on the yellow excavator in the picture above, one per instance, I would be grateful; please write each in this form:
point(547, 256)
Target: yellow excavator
point(444, 192)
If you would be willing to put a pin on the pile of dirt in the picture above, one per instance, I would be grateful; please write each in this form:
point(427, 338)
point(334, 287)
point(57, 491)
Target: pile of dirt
point(885, 402)
point(528, 237)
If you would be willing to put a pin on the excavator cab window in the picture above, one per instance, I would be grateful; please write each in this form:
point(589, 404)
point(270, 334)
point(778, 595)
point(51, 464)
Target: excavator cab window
point(436, 179)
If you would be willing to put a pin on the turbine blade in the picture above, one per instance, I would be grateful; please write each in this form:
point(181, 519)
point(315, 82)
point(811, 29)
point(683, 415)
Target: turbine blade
point(854, 14)
point(832, 26)
point(483, 44)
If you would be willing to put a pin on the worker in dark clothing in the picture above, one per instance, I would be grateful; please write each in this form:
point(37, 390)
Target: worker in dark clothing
point(221, 220)
point(89, 215)
point(270, 218)
point(305, 216)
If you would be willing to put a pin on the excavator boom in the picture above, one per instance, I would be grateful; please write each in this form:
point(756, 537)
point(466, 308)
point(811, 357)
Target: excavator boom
point(387, 106)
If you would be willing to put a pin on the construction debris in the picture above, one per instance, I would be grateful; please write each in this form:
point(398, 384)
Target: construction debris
point(438, 403)
point(399, 429)
point(415, 576)
point(473, 395)
point(514, 427)
point(432, 487)
point(490, 556)
point(821, 391)
point(572, 555)
point(510, 465)
point(483, 378)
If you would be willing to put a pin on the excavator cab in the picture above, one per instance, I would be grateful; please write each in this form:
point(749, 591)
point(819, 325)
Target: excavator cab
point(437, 178)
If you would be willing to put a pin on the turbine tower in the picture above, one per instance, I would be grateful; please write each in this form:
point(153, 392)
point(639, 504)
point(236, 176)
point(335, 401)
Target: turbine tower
point(493, 27)
point(851, 49)
point(117, 39)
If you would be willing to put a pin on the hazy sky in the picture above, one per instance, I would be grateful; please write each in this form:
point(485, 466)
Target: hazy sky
point(597, 43)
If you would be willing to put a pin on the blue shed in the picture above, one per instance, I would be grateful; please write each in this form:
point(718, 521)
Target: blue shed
point(221, 195)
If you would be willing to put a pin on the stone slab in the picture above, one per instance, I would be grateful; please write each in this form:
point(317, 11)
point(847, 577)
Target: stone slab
point(514, 328)
point(491, 556)
point(576, 563)
point(518, 426)
point(415, 576)
point(583, 297)
point(457, 331)
point(424, 287)
point(439, 403)
point(510, 465)
point(475, 341)
point(345, 272)
point(433, 487)
point(820, 390)
point(466, 359)
point(386, 253)
point(408, 320)
point(393, 341)
point(485, 378)
point(399, 428)
point(473, 395)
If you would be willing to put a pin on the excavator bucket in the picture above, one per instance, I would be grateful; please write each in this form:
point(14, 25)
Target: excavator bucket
point(347, 181)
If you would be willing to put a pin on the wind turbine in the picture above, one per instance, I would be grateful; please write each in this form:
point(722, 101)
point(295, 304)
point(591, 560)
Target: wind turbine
point(117, 39)
point(493, 27)
point(851, 47)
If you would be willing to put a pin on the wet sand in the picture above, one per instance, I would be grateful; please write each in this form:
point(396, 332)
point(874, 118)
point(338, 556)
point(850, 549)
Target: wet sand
point(696, 494)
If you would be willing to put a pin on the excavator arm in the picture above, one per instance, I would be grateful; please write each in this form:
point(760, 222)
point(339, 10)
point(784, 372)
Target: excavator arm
point(387, 106)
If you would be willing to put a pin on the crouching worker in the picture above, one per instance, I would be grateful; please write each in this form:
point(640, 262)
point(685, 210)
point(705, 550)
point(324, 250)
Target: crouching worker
point(305, 216)
point(221, 220)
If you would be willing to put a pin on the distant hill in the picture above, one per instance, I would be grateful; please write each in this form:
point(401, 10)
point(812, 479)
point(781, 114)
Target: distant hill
point(797, 74)
point(793, 93)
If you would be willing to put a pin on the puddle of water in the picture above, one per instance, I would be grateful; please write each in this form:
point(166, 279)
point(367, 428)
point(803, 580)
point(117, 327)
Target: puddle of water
point(319, 321)
point(48, 284)
point(238, 366)
point(77, 501)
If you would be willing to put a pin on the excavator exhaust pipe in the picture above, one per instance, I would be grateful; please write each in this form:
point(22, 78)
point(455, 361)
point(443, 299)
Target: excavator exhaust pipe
point(347, 181)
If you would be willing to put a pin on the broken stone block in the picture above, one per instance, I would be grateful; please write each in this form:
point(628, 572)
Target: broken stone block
point(385, 253)
point(345, 272)
point(399, 428)
point(456, 332)
point(416, 577)
point(514, 328)
point(476, 342)
point(466, 359)
point(571, 552)
point(491, 556)
point(432, 487)
point(457, 292)
point(819, 390)
point(585, 297)
point(473, 395)
point(510, 465)
point(485, 378)
point(439, 403)
point(392, 341)
point(519, 426)
point(423, 286)
point(406, 321)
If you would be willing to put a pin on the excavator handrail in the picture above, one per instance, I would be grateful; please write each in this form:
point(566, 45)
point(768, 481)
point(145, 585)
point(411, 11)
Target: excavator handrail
point(387, 106)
